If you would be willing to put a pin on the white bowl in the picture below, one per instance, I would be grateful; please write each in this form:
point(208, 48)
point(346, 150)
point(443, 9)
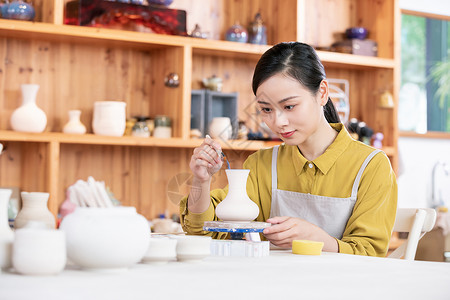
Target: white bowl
point(106, 238)
point(39, 251)
point(193, 247)
point(160, 250)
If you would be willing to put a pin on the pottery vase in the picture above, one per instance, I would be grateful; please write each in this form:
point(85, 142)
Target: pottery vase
point(237, 206)
point(29, 117)
point(6, 234)
point(34, 208)
point(109, 118)
point(220, 128)
point(74, 126)
point(38, 250)
point(105, 239)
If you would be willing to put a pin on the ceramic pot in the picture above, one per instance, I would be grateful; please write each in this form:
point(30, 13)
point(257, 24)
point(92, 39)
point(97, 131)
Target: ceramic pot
point(6, 234)
point(74, 126)
point(220, 128)
point(193, 248)
point(29, 117)
point(237, 33)
point(109, 118)
point(34, 208)
point(237, 206)
point(19, 10)
point(39, 250)
point(106, 238)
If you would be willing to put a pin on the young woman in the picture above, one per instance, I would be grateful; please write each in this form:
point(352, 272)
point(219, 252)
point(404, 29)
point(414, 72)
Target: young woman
point(320, 184)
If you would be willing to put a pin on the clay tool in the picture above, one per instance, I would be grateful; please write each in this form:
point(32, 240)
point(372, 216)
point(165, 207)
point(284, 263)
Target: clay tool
point(222, 154)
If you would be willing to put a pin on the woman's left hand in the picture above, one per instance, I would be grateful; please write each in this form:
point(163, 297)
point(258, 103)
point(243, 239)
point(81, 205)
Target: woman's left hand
point(286, 229)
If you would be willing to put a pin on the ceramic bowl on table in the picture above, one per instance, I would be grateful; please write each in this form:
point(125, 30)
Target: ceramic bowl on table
point(106, 238)
point(193, 248)
point(356, 33)
point(161, 250)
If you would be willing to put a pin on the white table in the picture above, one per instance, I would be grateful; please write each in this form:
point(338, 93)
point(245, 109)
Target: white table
point(282, 275)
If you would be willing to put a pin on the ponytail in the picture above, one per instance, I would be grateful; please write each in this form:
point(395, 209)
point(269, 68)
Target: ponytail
point(330, 112)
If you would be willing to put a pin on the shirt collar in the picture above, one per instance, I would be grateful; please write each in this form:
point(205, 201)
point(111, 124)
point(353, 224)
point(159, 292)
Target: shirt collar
point(331, 154)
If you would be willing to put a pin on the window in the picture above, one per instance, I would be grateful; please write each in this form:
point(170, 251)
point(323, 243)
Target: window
point(425, 74)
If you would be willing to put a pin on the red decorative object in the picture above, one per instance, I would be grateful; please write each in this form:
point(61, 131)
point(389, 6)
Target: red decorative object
point(125, 16)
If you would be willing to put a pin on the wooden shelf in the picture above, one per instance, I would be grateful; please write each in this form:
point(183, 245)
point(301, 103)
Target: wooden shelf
point(69, 33)
point(92, 139)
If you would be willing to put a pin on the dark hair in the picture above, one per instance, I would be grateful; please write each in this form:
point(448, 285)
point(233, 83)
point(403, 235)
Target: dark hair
point(299, 61)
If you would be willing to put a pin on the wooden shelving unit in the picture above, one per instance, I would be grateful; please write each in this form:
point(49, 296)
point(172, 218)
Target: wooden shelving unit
point(76, 66)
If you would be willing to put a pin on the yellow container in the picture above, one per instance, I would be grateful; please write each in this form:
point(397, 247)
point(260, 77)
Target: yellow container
point(305, 247)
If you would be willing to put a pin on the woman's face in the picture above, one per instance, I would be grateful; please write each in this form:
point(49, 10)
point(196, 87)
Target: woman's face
point(289, 109)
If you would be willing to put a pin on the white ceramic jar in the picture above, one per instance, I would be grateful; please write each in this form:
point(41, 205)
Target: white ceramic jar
point(109, 118)
point(220, 128)
point(237, 206)
point(106, 238)
point(29, 117)
point(39, 251)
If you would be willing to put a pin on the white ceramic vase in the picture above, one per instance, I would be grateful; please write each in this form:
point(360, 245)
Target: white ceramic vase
point(106, 238)
point(29, 117)
point(34, 208)
point(74, 126)
point(220, 128)
point(6, 234)
point(38, 250)
point(237, 206)
point(109, 118)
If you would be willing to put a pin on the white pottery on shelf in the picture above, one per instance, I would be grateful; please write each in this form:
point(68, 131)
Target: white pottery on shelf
point(237, 206)
point(109, 118)
point(220, 128)
point(29, 117)
point(193, 248)
point(34, 208)
point(106, 238)
point(6, 234)
point(38, 250)
point(74, 126)
point(160, 250)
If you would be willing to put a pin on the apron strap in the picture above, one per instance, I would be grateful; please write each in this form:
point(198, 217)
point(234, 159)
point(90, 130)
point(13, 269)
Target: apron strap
point(274, 168)
point(361, 171)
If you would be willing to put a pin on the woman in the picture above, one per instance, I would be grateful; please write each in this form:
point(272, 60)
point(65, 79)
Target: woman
point(320, 184)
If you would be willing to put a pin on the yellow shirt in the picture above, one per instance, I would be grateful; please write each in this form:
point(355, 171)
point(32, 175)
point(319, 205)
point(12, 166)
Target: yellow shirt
point(368, 229)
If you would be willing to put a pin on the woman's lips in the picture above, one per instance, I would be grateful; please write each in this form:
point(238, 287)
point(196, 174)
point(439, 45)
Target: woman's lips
point(287, 134)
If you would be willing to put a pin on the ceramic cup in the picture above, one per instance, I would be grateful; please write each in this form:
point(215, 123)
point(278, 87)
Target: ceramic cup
point(109, 118)
point(193, 248)
point(220, 128)
point(160, 250)
point(39, 251)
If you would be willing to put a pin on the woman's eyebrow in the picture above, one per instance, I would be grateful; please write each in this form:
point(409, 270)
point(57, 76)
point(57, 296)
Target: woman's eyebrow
point(281, 101)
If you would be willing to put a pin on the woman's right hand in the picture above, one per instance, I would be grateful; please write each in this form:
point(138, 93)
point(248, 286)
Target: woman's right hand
point(206, 159)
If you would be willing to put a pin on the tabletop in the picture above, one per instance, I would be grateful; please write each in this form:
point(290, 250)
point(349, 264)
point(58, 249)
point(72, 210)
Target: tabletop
point(278, 276)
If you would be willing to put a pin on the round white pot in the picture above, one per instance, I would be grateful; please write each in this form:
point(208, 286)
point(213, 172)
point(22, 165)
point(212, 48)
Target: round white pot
point(109, 118)
point(106, 238)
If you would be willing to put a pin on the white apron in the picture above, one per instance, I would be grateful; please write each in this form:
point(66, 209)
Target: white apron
point(329, 213)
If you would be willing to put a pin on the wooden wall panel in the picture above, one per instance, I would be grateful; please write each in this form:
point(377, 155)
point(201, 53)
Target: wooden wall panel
point(325, 21)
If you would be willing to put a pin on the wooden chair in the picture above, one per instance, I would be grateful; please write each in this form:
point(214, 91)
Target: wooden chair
point(415, 221)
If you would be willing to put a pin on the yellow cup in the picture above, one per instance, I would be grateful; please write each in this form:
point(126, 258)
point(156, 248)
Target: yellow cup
point(305, 247)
